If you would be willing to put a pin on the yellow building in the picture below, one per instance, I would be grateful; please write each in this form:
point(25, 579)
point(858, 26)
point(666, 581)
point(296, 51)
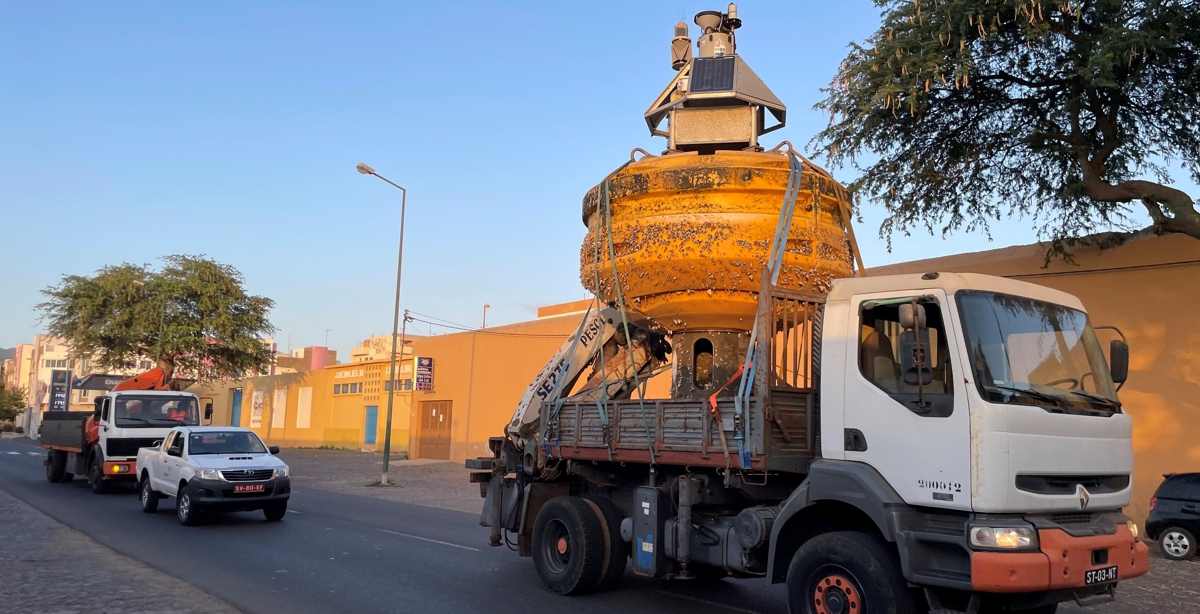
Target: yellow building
point(339, 406)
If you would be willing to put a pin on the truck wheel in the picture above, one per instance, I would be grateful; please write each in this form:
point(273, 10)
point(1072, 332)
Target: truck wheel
point(149, 497)
point(616, 550)
point(95, 476)
point(55, 465)
point(847, 572)
point(68, 476)
point(185, 510)
point(275, 511)
point(568, 546)
point(1177, 544)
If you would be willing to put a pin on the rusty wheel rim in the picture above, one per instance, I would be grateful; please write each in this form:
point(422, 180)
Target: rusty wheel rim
point(836, 593)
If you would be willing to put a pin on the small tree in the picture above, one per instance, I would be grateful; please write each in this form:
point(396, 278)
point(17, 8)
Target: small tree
point(193, 316)
point(1064, 110)
point(12, 402)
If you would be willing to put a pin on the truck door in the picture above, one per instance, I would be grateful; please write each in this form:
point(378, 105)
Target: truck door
point(170, 463)
point(905, 410)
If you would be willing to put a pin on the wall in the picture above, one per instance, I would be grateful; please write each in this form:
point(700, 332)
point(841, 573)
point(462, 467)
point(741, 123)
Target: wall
point(1148, 288)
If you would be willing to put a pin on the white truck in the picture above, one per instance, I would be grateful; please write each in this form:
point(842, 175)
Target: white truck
point(103, 443)
point(937, 442)
point(213, 468)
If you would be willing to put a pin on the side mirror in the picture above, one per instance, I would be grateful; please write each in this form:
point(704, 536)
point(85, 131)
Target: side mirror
point(208, 411)
point(1118, 358)
point(912, 318)
point(99, 404)
point(273, 449)
point(173, 451)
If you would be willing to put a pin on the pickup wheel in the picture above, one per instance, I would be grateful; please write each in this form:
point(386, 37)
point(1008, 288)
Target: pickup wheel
point(95, 476)
point(616, 550)
point(847, 572)
point(275, 511)
point(56, 461)
point(148, 496)
point(568, 546)
point(185, 509)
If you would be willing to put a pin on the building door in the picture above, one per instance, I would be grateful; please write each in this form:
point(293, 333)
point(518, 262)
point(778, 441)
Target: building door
point(235, 417)
point(434, 441)
point(372, 425)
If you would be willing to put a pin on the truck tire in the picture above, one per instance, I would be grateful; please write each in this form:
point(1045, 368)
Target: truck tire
point(95, 476)
point(148, 496)
point(847, 571)
point(275, 511)
point(1177, 544)
point(56, 462)
point(568, 546)
point(616, 550)
point(185, 511)
point(67, 476)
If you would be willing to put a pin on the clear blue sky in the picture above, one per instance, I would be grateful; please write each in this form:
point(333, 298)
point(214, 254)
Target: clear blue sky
point(135, 130)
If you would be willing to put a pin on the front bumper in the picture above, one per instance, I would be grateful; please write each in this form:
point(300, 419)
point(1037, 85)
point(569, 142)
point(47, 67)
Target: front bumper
point(1061, 564)
point(219, 495)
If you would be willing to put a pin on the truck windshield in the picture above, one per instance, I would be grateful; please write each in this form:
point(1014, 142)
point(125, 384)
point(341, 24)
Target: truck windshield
point(1030, 352)
point(138, 411)
point(225, 442)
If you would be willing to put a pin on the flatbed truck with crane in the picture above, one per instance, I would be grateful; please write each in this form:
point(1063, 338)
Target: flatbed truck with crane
point(102, 444)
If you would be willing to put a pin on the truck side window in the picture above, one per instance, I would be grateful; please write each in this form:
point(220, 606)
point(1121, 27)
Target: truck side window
point(887, 357)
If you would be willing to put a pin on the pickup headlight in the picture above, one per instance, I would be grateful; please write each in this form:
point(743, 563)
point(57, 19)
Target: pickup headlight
point(208, 474)
point(1004, 538)
point(282, 472)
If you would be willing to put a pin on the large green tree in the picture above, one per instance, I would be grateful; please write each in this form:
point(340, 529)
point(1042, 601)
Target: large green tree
point(192, 316)
point(1071, 112)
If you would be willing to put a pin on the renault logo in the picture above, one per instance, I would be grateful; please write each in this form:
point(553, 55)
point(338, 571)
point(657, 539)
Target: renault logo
point(1085, 497)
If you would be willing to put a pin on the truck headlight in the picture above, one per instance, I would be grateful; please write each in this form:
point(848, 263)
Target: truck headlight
point(1004, 538)
point(208, 474)
point(282, 472)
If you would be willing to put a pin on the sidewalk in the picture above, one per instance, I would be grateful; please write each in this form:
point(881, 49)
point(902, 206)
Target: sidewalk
point(419, 481)
point(52, 569)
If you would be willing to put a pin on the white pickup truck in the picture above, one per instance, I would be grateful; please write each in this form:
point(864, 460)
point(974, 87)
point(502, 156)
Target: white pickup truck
point(213, 468)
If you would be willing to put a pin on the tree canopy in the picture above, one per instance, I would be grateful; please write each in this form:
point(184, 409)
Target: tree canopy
point(12, 402)
point(192, 317)
point(1070, 112)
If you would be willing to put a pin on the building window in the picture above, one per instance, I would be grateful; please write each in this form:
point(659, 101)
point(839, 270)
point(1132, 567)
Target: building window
point(56, 364)
point(144, 365)
point(337, 389)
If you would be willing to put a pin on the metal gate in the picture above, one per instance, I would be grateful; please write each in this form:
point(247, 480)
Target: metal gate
point(434, 439)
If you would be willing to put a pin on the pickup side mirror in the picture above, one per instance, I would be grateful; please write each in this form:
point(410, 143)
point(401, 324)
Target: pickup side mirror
point(208, 410)
point(273, 449)
point(1118, 358)
point(175, 451)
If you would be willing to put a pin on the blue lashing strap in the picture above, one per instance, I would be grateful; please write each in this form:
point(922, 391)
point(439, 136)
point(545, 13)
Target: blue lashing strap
point(774, 265)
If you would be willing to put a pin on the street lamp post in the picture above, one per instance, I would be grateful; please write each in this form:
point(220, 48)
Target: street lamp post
point(485, 308)
point(387, 434)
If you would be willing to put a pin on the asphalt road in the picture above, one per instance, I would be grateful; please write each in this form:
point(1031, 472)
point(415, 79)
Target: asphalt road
point(342, 553)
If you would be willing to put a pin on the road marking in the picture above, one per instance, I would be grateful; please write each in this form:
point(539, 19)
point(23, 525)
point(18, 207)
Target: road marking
point(426, 539)
point(34, 453)
point(294, 512)
point(707, 602)
point(18, 453)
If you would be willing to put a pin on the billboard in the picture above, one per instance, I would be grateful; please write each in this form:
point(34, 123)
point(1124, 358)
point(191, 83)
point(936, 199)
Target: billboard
point(424, 373)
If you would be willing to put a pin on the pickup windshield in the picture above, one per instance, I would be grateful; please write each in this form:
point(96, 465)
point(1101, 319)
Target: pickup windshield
point(135, 411)
point(1029, 352)
point(225, 442)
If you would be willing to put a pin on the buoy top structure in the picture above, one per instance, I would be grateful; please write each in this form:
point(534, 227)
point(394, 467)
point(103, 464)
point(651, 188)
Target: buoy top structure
point(691, 230)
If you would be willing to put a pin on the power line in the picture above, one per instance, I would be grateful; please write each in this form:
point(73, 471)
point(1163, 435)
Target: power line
point(483, 331)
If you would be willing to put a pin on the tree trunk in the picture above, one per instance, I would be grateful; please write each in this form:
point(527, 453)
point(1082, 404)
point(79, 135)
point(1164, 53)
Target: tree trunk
point(1158, 199)
point(168, 368)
